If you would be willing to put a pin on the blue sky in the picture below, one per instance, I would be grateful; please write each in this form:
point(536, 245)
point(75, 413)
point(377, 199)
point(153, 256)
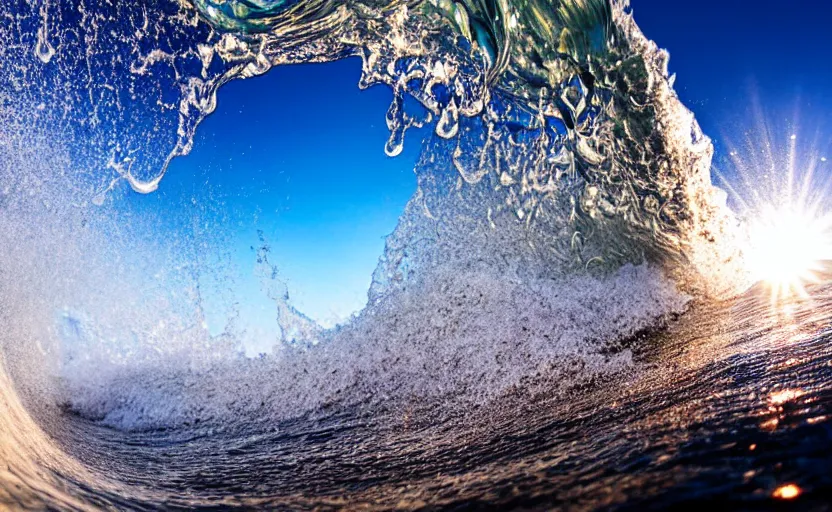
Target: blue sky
point(753, 71)
point(726, 52)
point(299, 152)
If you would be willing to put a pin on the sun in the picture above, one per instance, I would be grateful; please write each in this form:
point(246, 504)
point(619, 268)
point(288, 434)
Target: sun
point(788, 247)
point(779, 182)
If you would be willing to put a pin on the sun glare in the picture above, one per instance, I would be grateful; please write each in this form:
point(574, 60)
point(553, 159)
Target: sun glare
point(782, 187)
point(788, 247)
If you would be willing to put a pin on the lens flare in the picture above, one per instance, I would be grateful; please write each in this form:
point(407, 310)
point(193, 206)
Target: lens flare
point(788, 247)
point(780, 184)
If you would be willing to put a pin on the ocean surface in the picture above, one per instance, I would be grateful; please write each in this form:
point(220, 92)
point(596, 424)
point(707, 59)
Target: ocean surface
point(563, 317)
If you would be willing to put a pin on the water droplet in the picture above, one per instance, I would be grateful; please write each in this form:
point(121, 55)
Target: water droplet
point(44, 50)
point(448, 125)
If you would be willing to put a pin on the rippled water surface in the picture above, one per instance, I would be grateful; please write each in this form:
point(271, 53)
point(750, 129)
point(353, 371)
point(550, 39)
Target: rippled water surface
point(725, 407)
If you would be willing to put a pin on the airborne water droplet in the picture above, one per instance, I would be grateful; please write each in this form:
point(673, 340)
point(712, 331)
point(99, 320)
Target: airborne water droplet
point(448, 124)
point(44, 49)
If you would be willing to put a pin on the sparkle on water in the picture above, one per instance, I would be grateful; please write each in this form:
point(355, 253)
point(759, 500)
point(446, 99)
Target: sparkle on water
point(786, 395)
point(787, 492)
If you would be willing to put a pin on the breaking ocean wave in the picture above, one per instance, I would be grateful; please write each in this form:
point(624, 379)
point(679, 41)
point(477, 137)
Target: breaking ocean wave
point(564, 223)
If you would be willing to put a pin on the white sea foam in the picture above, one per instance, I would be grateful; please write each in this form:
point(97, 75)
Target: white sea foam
point(111, 327)
point(468, 336)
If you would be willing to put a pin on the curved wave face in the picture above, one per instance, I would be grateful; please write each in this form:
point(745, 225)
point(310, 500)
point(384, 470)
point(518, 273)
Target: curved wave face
point(530, 323)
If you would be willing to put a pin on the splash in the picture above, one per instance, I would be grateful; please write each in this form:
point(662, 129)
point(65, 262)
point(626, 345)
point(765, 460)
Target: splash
point(564, 205)
point(559, 146)
point(561, 116)
point(567, 108)
point(464, 337)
